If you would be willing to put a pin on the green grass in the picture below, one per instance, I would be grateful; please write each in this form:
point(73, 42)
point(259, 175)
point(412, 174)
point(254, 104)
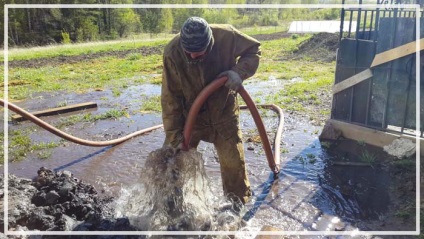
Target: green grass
point(20, 145)
point(151, 104)
point(256, 30)
point(105, 72)
point(368, 158)
point(274, 49)
point(89, 117)
point(295, 95)
point(316, 76)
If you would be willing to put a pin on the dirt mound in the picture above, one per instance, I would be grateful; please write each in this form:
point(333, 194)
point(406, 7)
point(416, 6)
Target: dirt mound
point(60, 202)
point(58, 60)
point(320, 47)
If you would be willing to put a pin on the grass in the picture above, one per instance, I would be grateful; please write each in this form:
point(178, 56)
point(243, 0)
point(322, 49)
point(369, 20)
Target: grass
point(296, 95)
point(89, 117)
point(104, 72)
point(20, 145)
point(256, 30)
point(368, 158)
point(151, 104)
point(314, 77)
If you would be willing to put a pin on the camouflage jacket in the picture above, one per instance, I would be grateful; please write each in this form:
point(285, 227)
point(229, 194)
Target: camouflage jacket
point(183, 79)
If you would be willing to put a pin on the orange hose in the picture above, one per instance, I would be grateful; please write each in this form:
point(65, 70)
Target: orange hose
point(273, 160)
point(69, 137)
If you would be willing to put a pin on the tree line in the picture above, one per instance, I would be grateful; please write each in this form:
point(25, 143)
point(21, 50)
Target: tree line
point(43, 26)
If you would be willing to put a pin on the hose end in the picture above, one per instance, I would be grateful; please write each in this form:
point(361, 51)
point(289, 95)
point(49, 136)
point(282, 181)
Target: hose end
point(276, 171)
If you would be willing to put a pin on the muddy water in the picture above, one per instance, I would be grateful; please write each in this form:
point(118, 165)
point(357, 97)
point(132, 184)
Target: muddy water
point(310, 193)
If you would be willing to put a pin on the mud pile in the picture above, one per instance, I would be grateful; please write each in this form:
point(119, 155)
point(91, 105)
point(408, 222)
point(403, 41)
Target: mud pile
point(57, 201)
point(173, 195)
point(320, 47)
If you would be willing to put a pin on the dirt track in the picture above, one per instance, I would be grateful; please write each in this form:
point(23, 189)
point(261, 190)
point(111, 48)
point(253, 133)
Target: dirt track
point(58, 60)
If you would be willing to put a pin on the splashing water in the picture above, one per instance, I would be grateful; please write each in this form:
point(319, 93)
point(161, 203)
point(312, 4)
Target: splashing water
point(174, 194)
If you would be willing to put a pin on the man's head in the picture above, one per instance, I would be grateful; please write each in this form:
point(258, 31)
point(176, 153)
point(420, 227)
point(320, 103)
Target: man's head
point(195, 35)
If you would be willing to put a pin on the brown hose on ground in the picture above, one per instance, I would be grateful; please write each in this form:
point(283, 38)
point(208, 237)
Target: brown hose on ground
point(69, 137)
point(273, 161)
point(279, 132)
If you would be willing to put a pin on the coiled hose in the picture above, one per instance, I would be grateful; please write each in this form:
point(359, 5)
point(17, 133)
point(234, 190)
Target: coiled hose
point(273, 159)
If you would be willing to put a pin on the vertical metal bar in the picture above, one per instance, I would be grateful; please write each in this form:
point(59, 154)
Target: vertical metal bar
point(377, 19)
point(358, 21)
point(371, 22)
point(384, 121)
point(342, 16)
point(350, 23)
point(365, 23)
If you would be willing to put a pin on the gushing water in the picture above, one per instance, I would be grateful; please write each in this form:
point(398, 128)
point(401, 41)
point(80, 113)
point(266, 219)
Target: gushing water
point(174, 194)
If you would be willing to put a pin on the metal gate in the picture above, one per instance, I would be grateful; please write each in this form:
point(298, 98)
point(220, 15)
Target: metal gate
point(381, 96)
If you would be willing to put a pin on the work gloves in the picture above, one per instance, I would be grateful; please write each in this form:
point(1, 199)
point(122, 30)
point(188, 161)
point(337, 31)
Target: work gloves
point(234, 81)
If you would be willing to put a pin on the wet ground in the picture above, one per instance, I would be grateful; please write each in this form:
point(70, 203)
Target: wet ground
point(314, 191)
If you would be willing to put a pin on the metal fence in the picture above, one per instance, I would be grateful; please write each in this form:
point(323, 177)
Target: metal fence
point(386, 101)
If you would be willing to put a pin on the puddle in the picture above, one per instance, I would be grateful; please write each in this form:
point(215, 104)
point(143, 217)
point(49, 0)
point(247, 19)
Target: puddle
point(310, 193)
point(259, 87)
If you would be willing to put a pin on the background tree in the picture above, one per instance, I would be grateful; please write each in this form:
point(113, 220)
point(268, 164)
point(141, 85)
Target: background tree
point(41, 26)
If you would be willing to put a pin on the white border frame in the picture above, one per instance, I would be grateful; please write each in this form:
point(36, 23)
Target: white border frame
point(238, 233)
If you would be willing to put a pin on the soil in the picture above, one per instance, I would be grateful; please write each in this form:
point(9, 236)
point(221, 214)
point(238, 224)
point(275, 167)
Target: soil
point(59, 60)
point(59, 201)
point(401, 179)
point(320, 47)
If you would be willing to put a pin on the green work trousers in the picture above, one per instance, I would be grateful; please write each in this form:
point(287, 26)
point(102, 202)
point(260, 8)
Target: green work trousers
point(229, 146)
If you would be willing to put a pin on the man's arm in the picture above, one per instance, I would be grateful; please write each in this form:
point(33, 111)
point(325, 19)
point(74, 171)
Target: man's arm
point(248, 51)
point(172, 104)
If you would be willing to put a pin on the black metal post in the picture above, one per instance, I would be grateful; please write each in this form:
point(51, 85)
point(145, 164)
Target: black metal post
point(342, 16)
point(371, 22)
point(365, 23)
point(350, 23)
